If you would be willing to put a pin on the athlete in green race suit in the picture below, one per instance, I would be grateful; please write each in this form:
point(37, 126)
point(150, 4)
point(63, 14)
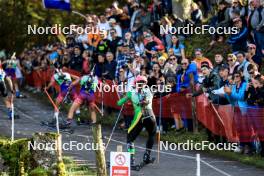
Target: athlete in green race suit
point(141, 98)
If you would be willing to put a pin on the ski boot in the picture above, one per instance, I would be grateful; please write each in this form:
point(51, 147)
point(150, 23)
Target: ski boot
point(146, 157)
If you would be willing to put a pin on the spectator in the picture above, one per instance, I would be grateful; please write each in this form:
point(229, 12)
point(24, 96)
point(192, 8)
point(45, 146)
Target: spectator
point(253, 57)
point(219, 61)
point(239, 41)
point(199, 58)
point(115, 41)
point(100, 66)
point(86, 62)
point(139, 45)
point(137, 64)
point(243, 65)
point(103, 45)
point(222, 20)
point(232, 63)
point(177, 46)
point(187, 76)
point(110, 67)
point(236, 93)
point(196, 14)
point(237, 6)
point(122, 59)
point(113, 25)
point(171, 67)
point(76, 60)
point(211, 82)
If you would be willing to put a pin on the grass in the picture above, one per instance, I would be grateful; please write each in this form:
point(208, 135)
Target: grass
point(72, 169)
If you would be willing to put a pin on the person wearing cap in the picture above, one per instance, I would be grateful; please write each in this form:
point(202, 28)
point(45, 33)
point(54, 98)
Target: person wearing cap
point(113, 25)
point(141, 98)
point(239, 41)
point(135, 15)
point(211, 82)
point(63, 80)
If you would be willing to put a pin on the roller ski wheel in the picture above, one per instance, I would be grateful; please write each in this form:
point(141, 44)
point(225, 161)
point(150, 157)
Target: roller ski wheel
point(139, 166)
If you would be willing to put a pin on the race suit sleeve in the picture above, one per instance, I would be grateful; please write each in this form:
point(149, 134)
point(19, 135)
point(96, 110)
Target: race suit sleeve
point(124, 99)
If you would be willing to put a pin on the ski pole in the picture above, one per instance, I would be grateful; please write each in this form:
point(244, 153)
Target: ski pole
point(159, 129)
point(13, 119)
point(114, 127)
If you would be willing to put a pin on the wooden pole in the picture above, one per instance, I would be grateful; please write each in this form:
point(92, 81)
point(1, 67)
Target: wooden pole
point(100, 153)
point(194, 117)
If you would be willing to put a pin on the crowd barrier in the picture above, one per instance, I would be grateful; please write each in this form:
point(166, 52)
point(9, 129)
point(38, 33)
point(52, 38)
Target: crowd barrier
point(234, 123)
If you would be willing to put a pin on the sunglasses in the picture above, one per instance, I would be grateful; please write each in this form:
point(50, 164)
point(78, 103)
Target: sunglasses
point(251, 73)
point(229, 60)
point(237, 76)
point(184, 63)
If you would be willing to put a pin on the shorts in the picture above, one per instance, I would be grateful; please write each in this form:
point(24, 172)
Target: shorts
point(63, 93)
point(87, 98)
point(3, 89)
point(11, 72)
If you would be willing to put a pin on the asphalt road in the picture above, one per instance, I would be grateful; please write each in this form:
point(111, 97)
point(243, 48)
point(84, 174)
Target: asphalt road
point(172, 163)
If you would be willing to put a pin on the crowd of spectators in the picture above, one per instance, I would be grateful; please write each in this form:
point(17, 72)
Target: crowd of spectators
point(134, 45)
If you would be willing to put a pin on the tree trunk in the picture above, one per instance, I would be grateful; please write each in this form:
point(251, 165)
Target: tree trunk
point(181, 8)
point(100, 153)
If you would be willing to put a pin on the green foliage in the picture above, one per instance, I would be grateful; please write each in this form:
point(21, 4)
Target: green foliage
point(39, 171)
point(202, 41)
point(16, 15)
point(15, 152)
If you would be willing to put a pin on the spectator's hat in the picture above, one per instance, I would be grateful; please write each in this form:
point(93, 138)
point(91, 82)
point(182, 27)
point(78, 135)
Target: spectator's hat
point(112, 20)
point(205, 65)
point(135, 5)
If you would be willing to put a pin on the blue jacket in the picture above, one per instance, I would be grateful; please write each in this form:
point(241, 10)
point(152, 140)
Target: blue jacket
point(237, 97)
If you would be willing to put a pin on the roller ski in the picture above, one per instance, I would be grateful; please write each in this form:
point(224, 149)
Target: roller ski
point(64, 126)
point(146, 160)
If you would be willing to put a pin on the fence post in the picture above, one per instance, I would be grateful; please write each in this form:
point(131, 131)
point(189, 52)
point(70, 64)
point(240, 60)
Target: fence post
point(100, 152)
point(194, 117)
point(198, 167)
